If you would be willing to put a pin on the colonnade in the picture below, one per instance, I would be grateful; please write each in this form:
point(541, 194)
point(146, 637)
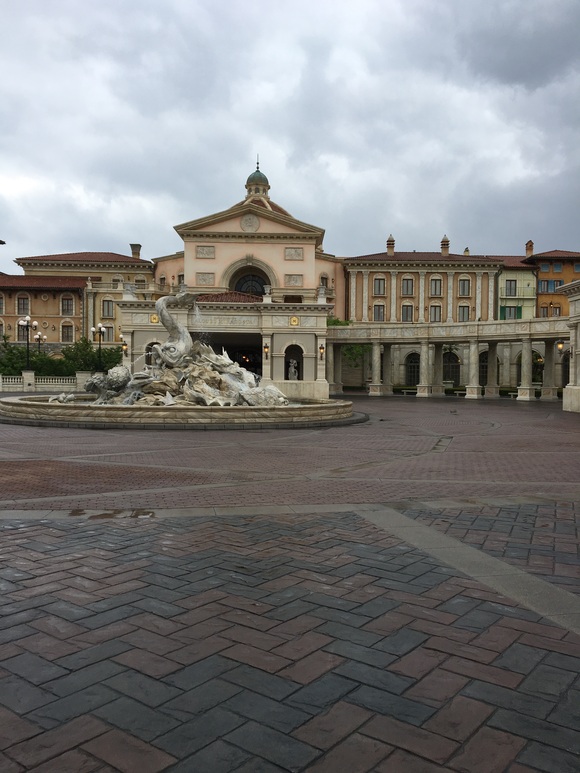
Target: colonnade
point(431, 369)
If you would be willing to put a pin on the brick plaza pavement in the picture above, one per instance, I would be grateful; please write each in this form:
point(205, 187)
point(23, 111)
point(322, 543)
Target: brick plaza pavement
point(400, 595)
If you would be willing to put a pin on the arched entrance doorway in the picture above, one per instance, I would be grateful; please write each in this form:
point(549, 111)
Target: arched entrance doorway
point(537, 368)
point(451, 368)
point(412, 369)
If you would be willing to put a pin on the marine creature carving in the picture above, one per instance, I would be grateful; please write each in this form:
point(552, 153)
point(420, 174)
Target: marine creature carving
point(184, 372)
point(179, 343)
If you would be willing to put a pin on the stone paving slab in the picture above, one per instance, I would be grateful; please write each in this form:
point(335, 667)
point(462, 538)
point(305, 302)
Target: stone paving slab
point(297, 642)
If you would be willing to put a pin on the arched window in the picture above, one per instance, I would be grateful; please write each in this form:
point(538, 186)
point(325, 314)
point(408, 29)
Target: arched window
point(249, 280)
point(117, 281)
point(407, 312)
point(464, 286)
point(379, 312)
point(379, 285)
point(108, 308)
point(67, 332)
point(435, 312)
point(67, 305)
point(544, 310)
point(23, 304)
point(323, 280)
point(140, 281)
point(435, 287)
point(1, 303)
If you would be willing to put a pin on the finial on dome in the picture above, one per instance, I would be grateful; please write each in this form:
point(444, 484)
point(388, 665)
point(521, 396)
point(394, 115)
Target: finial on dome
point(257, 183)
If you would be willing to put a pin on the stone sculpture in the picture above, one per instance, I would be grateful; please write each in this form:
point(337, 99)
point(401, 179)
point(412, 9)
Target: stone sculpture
point(184, 372)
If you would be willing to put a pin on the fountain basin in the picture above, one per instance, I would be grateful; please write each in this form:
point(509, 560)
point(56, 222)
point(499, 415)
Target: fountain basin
point(38, 411)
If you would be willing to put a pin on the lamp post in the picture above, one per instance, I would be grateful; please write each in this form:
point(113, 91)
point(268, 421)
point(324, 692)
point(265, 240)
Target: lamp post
point(40, 339)
point(124, 346)
point(100, 331)
point(27, 325)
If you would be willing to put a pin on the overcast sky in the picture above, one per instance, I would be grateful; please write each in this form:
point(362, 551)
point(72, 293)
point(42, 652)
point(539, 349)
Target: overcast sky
point(122, 118)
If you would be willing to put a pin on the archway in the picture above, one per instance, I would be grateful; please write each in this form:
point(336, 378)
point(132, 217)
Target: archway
point(412, 369)
point(249, 279)
point(451, 368)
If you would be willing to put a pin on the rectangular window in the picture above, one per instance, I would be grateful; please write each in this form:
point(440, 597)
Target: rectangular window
point(108, 309)
point(556, 311)
point(544, 267)
point(543, 311)
point(511, 287)
point(108, 334)
point(378, 312)
point(577, 268)
point(23, 305)
point(379, 286)
point(463, 314)
point(67, 334)
point(511, 312)
point(1, 304)
point(464, 287)
point(436, 287)
point(180, 279)
point(67, 307)
point(543, 285)
point(435, 314)
point(407, 312)
point(558, 283)
point(21, 332)
point(407, 287)
point(557, 268)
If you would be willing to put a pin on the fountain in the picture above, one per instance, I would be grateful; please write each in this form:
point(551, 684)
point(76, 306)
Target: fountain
point(187, 385)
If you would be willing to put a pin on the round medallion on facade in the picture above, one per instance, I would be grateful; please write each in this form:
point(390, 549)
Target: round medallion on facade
point(154, 319)
point(294, 321)
point(250, 223)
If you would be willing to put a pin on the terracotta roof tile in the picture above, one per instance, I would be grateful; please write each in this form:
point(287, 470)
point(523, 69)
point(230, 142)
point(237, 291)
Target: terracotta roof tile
point(229, 297)
point(425, 257)
point(557, 254)
point(85, 257)
point(17, 281)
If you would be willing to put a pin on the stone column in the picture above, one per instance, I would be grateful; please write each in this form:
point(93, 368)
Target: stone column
point(478, 296)
point(375, 389)
point(473, 389)
point(549, 391)
point(338, 370)
point(491, 296)
point(365, 298)
point(421, 296)
point(492, 388)
point(438, 388)
point(449, 296)
point(352, 278)
point(266, 360)
point(424, 386)
point(330, 367)
point(525, 390)
point(387, 369)
point(393, 314)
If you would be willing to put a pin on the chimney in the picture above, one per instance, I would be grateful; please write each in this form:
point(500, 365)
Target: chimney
point(135, 251)
point(391, 245)
point(529, 248)
point(445, 247)
point(466, 252)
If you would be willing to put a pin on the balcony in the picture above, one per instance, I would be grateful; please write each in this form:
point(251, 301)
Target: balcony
point(519, 291)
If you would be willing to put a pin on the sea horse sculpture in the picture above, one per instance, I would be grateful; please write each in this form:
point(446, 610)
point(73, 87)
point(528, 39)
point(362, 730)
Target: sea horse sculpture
point(179, 344)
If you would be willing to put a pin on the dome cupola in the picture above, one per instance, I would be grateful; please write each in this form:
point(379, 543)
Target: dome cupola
point(257, 184)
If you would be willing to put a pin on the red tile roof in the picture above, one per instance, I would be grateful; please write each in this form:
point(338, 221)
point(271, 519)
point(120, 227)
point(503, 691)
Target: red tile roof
point(557, 254)
point(229, 297)
point(16, 281)
point(84, 257)
point(425, 257)
point(260, 201)
point(513, 261)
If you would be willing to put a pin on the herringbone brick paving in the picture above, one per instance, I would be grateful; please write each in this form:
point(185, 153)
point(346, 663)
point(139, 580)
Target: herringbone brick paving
point(288, 641)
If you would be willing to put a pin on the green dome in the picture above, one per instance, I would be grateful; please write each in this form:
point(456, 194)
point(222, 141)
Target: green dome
point(257, 178)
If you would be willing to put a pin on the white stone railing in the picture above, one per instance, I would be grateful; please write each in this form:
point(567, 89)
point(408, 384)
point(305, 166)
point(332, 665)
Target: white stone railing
point(30, 382)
